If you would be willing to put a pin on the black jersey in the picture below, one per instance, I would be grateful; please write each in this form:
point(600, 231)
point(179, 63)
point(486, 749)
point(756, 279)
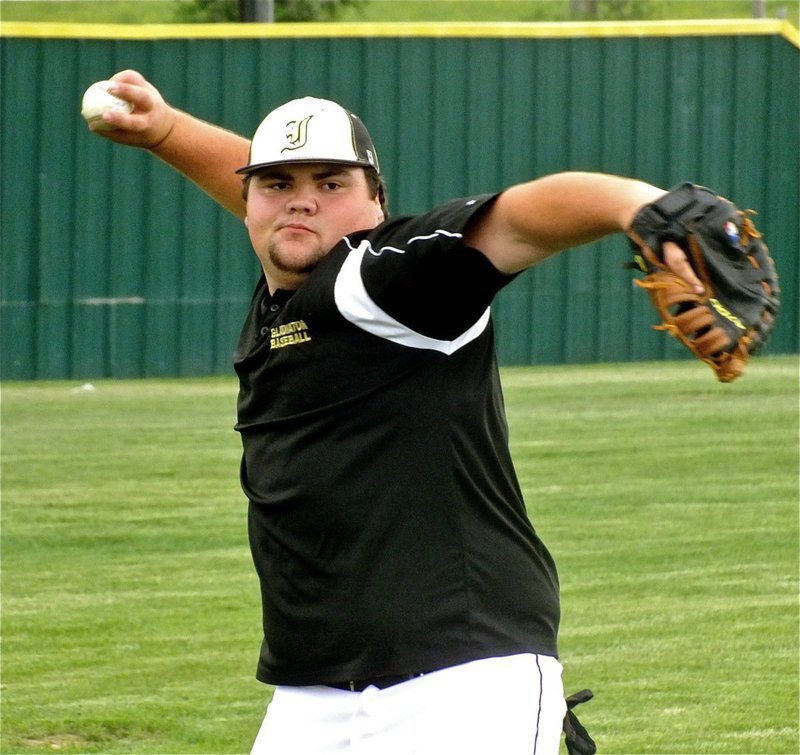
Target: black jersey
point(386, 522)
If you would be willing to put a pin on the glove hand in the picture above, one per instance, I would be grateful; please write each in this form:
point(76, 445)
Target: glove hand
point(677, 262)
point(709, 275)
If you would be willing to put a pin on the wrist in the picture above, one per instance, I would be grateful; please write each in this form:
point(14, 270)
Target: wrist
point(164, 135)
point(643, 195)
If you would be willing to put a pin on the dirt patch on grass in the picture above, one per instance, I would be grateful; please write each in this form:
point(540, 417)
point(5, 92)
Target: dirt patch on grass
point(56, 742)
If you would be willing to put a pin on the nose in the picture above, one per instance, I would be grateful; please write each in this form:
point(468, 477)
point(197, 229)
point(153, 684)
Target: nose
point(302, 200)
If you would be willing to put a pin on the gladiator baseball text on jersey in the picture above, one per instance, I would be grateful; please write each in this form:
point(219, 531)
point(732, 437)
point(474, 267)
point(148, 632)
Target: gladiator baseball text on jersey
point(289, 334)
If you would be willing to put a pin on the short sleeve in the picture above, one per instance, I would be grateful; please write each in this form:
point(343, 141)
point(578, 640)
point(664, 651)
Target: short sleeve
point(419, 270)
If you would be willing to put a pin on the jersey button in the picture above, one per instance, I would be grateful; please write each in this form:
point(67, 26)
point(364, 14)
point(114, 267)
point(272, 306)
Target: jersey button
point(274, 307)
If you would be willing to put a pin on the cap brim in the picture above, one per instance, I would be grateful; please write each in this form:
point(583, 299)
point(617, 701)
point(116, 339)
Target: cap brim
point(245, 169)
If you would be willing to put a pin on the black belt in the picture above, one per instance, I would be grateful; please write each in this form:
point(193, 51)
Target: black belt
point(381, 682)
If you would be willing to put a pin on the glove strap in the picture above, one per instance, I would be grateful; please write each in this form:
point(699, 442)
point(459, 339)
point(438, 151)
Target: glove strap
point(680, 198)
point(576, 737)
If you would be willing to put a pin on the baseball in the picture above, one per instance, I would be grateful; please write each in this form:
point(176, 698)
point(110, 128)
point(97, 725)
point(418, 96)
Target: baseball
point(97, 100)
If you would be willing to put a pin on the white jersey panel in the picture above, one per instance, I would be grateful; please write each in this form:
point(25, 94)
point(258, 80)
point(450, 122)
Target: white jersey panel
point(357, 306)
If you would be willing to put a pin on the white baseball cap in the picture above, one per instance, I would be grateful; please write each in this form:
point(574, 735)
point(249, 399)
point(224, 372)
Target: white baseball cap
point(311, 130)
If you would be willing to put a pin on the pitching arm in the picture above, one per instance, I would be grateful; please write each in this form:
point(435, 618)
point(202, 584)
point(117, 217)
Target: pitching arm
point(206, 154)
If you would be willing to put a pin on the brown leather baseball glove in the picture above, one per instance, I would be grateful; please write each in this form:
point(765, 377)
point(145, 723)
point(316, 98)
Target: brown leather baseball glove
point(735, 314)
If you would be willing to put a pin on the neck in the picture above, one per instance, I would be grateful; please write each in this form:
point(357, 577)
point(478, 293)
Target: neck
point(284, 281)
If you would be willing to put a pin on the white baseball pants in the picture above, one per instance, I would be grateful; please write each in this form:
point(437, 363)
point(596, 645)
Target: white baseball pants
point(512, 705)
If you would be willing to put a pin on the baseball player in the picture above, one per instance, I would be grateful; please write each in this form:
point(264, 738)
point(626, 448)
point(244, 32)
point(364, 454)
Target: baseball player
point(409, 605)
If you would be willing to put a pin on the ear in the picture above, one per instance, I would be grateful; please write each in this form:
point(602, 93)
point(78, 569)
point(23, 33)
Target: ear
point(245, 222)
point(378, 212)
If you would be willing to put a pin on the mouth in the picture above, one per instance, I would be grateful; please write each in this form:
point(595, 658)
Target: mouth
point(296, 228)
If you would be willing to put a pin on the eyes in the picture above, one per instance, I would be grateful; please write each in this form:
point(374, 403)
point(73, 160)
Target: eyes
point(278, 185)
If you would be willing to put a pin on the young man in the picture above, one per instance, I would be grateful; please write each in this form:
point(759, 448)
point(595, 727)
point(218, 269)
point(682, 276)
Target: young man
point(408, 603)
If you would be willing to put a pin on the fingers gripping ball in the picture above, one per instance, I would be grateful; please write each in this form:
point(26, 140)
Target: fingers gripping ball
point(97, 100)
point(735, 314)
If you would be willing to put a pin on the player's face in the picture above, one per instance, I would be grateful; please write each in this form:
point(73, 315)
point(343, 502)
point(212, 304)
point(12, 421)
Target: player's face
point(296, 213)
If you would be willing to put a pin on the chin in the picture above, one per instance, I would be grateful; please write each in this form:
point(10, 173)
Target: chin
point(295, 261)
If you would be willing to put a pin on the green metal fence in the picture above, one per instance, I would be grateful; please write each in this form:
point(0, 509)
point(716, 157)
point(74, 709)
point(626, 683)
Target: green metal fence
point(114, 266)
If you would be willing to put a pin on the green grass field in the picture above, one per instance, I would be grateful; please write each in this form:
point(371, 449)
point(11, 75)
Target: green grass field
point(130, 616)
